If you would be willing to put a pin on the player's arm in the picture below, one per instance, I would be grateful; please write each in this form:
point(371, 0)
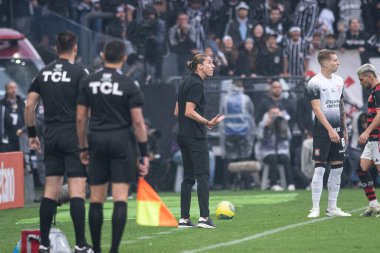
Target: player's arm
point(176, 109)
point(141, 137)
point(374, 124)
point(82, 116)
point(30, 120)
point(316, 105)
point(343, 119)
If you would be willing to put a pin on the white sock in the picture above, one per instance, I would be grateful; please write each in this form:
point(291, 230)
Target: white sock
point(333, 185)
point(373, 203)
point(317, 186)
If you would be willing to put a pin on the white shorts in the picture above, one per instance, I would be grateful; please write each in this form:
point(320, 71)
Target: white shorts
point(371, 152)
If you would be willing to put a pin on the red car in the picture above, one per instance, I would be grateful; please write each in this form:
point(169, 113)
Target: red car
point(19, 61)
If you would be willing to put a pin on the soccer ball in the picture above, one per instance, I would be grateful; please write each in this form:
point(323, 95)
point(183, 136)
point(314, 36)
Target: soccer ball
point(225, 210)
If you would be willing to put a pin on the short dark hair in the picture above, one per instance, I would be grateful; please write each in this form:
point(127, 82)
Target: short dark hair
point(66, 41)
point(324, 55)
point(114, 51)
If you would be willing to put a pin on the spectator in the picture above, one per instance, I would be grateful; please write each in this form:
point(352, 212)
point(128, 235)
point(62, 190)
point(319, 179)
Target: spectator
point(326, 21)
point(356, 39)
point(237, 130)
point(197, 19)
point(182, 41)
point(354, 9)
point(258, 35)
point(275, 25)
point(330, 42)
point(315, 44)
point(241, 26)
point(247, 60)
point(85, 7)
point(148, 35)
point(275, 98)
point(305, 17)
point(273, 145)
point(374, 42)
point(270, 59)
point(296, 57)
point(12, 118)
point(231, 54)
point(222, 19)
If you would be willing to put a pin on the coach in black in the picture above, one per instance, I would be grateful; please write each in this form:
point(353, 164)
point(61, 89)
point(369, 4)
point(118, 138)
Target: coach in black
point(115, 103)
point(58, 84)
point(192, 139)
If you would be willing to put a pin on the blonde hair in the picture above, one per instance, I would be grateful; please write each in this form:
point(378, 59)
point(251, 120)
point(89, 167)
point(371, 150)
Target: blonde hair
point(366, 68)
point(197, 59)
point(324, 55)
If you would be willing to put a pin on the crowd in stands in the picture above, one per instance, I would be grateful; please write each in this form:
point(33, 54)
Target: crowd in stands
point(270, 38)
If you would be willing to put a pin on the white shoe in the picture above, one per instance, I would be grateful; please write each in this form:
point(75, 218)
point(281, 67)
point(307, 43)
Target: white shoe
point(371, 211)
point(314, 213)
point(277, 188)
point(337, 212)
point(291, 187)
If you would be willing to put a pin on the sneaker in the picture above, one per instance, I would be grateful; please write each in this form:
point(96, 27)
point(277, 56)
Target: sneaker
point(291, 187)
point(185, 223)
point(337, 212)
point(85, 249)
point(276, 188)
point(314, 213)
point(371, 211)
point(43, 249)
point(205, 223)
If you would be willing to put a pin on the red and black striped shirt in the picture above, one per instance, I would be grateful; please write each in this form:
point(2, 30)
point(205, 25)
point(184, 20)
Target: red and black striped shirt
point(373, 104)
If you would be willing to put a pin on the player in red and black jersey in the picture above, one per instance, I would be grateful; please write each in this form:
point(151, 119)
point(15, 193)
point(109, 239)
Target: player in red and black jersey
point(371, 153)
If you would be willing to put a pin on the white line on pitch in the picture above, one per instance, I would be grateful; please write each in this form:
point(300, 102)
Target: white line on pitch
point(265, 233)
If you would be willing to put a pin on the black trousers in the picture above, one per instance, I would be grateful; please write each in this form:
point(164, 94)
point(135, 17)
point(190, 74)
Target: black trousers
point(196, 167)
point(273, 161)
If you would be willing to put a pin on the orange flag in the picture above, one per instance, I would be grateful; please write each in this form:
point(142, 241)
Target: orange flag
point(151, 211)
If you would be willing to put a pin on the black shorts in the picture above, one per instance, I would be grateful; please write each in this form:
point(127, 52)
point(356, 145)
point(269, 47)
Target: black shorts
point(324, 150)
point(113, 157)
point(61, 151)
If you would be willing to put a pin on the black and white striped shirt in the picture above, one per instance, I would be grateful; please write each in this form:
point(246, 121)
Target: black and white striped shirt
point(296, 53)
point(305, 17)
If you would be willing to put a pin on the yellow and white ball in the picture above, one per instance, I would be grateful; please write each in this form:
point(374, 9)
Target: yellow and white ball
point(225, 210)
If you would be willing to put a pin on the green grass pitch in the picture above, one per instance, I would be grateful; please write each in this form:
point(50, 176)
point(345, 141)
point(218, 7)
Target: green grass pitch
point(264, 222)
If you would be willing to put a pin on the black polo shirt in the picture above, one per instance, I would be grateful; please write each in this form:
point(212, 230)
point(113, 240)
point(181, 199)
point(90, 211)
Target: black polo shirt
point(58, 85)
point(191, 90)
point(111, 96)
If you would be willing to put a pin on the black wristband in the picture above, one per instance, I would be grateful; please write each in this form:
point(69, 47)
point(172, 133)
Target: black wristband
point(83, 149)
point(32, 132)
point(143, 146)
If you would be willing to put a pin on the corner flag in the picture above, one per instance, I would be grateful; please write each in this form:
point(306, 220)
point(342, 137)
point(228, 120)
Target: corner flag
point(151, 211)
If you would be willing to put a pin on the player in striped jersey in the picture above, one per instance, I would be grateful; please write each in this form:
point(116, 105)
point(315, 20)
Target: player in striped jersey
point(371, 153)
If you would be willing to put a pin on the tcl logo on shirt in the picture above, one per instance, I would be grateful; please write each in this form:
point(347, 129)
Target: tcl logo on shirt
point(105, 88)
point(56, 76)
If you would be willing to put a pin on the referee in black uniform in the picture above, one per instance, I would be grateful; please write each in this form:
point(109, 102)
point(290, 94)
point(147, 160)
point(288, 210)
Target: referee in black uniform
point(58, 84)
point(192, 139)
point(115, 103)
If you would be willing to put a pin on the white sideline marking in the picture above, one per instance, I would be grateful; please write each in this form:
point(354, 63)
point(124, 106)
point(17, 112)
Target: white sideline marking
point(265, 233)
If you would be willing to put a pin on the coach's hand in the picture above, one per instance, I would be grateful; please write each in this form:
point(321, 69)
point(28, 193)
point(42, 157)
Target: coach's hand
point(215, 121)
point(34, 143)
point(144, 166)
point(84, 157)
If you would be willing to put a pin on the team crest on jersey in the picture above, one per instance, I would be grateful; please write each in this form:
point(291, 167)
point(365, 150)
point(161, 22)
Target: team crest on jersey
point(317, 152)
